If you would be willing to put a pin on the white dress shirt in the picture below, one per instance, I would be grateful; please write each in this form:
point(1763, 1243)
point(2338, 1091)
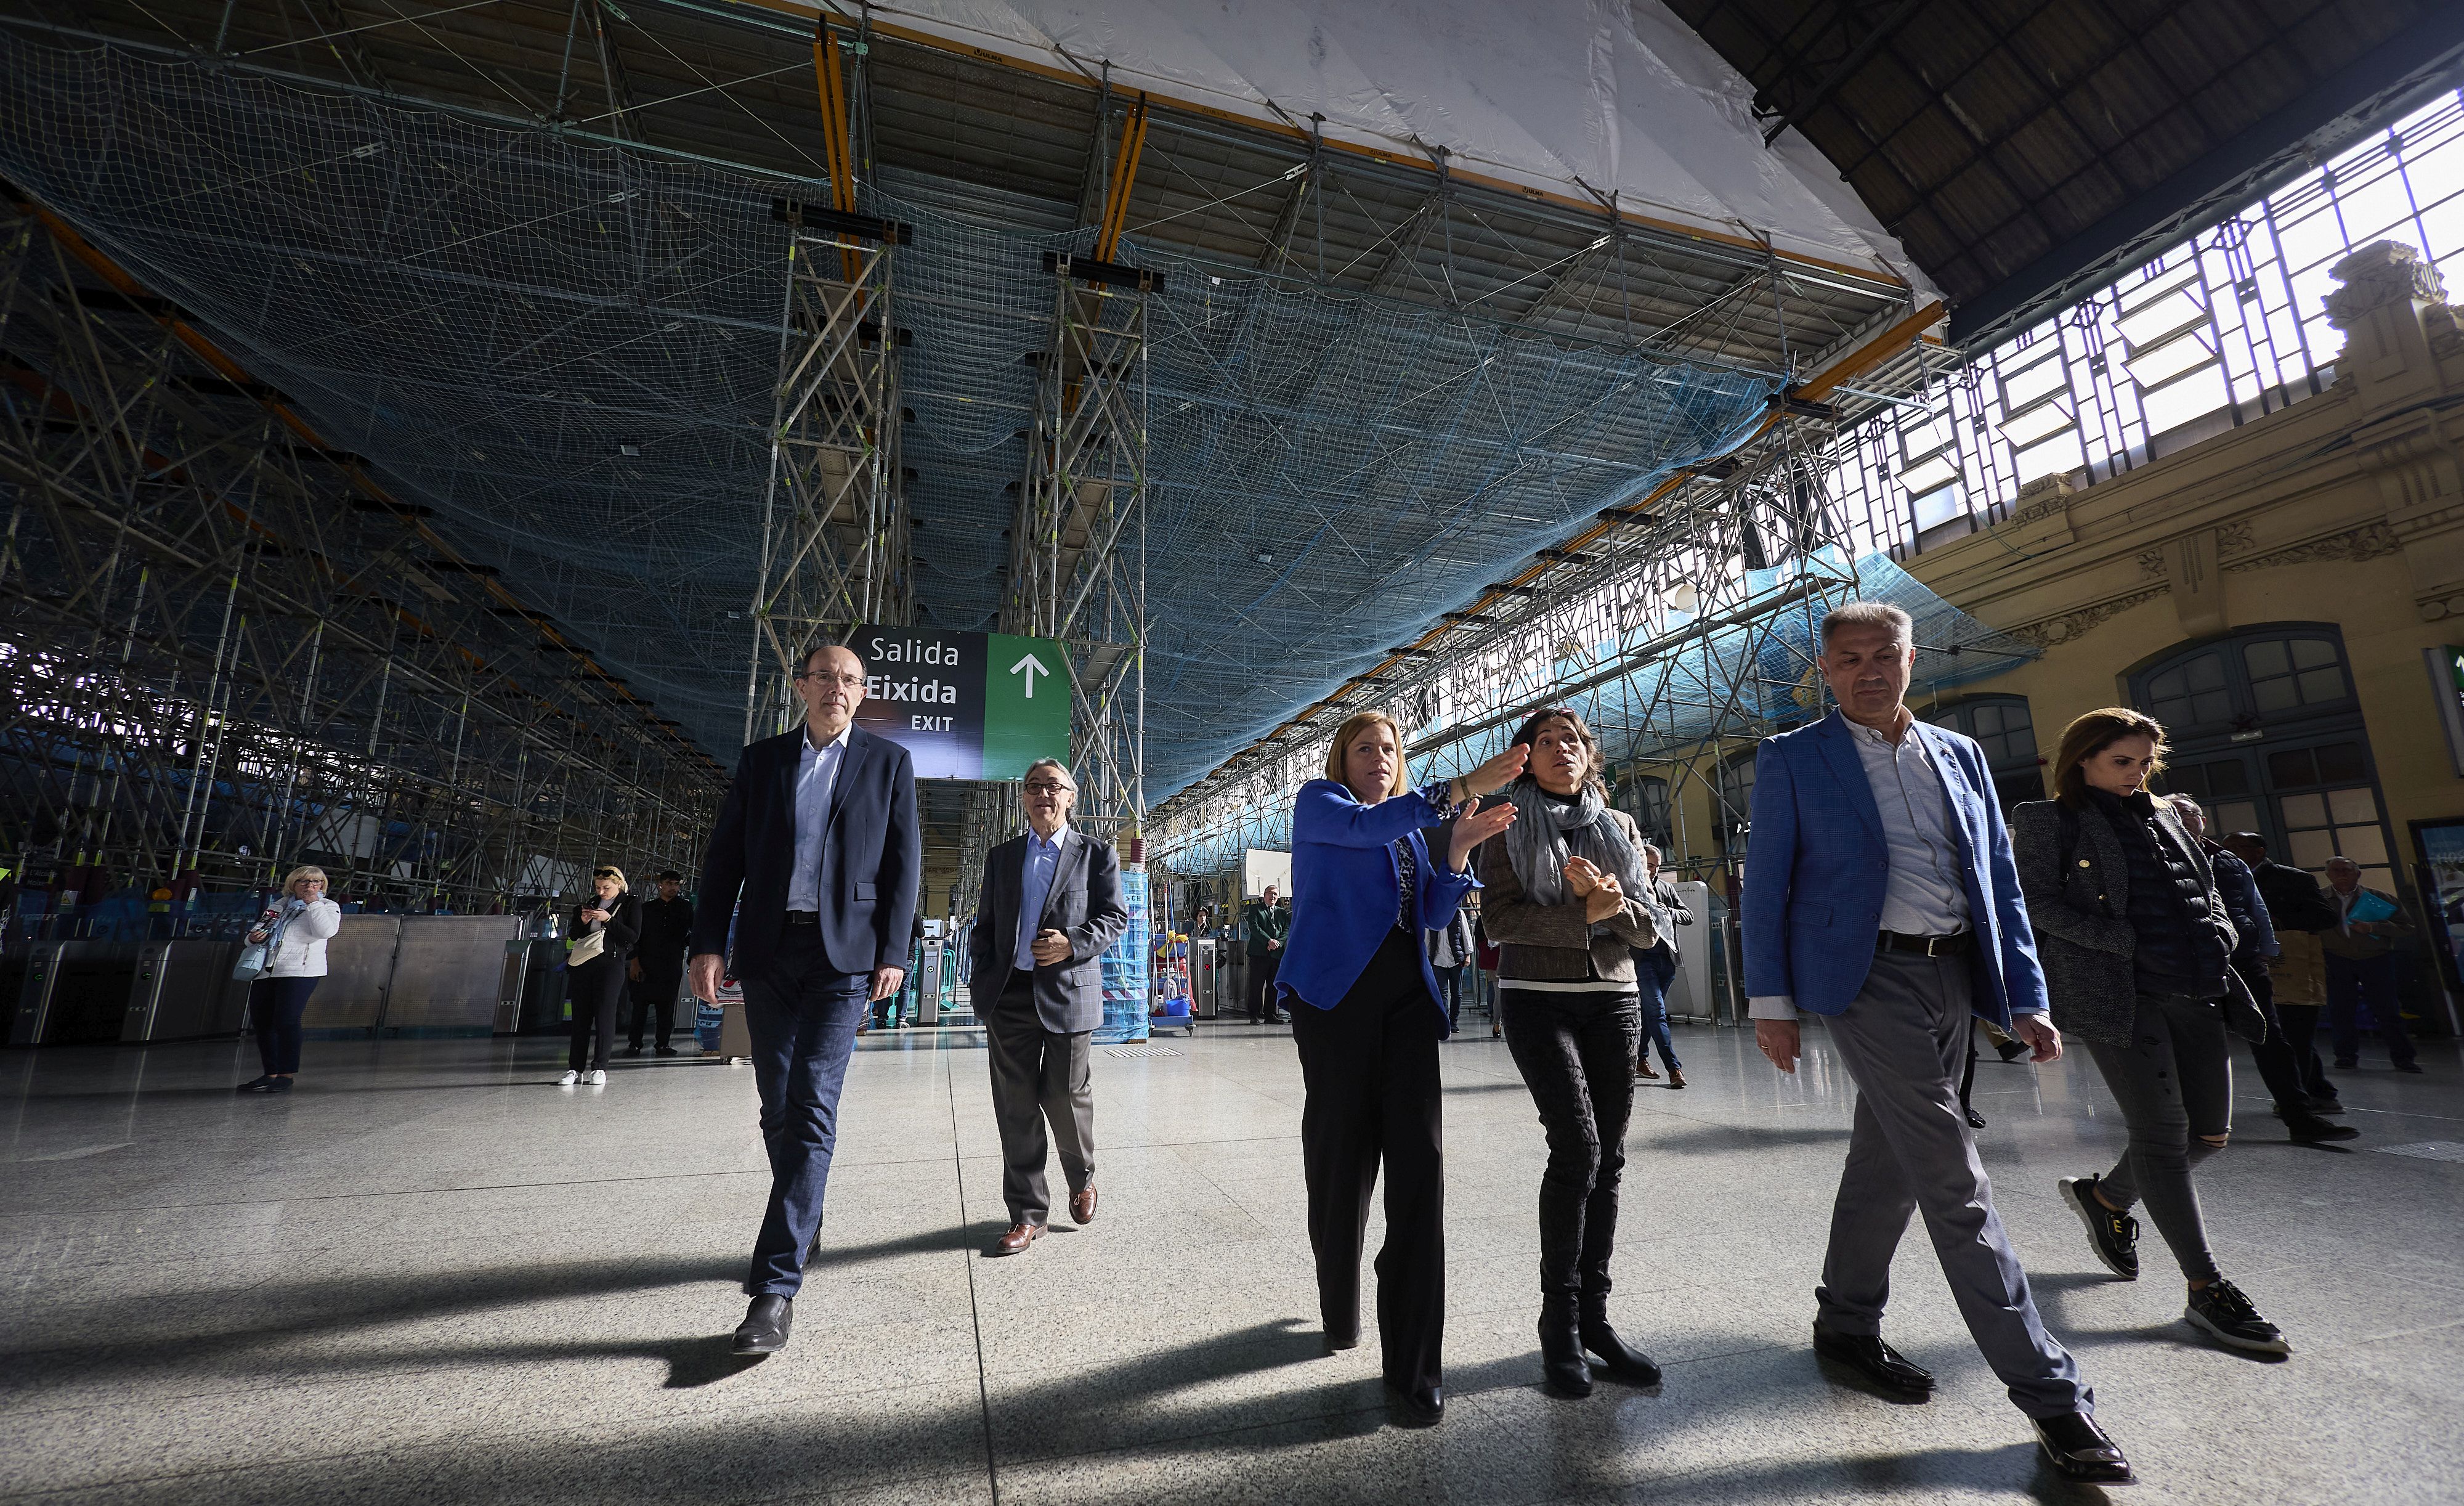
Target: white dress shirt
point(1922, 893)
point(816, 770)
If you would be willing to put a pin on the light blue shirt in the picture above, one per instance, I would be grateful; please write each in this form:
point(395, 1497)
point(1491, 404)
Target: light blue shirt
point(816, 770)
point(1034, 882)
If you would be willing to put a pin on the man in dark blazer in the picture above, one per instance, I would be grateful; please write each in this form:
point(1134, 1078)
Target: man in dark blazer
point(1051, 908)
point(816, 859)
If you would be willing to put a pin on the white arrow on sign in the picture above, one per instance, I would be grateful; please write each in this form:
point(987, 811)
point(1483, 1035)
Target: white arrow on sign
point(1029, 666)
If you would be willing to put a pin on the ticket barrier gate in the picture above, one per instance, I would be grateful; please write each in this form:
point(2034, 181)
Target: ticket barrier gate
point(72, 992)
point(1205, 976)
point(183, 990)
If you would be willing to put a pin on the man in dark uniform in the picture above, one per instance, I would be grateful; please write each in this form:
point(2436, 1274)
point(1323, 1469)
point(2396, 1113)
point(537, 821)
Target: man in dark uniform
point(657, 969)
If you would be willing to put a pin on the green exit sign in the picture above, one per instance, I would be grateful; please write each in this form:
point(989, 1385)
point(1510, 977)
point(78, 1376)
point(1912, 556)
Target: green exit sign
point(965, 705)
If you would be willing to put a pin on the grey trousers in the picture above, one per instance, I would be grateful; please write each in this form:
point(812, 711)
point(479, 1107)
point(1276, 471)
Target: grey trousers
point(1038, 1076)
point(1903, 1040)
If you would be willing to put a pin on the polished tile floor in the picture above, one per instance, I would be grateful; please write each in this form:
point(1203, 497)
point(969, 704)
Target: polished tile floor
point(430, 1275)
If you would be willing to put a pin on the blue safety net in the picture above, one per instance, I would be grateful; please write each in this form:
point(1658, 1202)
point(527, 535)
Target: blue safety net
point(567, 349)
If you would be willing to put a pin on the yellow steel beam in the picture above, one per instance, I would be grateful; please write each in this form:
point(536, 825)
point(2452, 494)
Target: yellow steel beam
point(1124, 176)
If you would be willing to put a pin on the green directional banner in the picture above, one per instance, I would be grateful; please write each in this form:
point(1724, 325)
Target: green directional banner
point(1026, 704)
point(965, 705)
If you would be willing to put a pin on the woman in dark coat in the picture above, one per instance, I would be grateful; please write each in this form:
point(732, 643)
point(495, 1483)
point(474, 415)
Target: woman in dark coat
point(1567, 896)
point(2137, 951)
point(591, 988)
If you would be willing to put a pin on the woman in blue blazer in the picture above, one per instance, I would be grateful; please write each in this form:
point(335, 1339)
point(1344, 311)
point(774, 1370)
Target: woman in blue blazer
point(1367, 1020)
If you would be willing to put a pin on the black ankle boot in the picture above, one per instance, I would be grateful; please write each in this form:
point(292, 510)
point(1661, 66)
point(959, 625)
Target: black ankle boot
point(1631, 1365)
point(1561, 1353)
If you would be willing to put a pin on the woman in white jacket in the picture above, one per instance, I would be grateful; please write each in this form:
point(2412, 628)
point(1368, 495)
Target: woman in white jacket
point(295, 929)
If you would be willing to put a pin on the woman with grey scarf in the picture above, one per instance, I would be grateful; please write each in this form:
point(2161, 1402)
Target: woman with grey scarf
point(1566, 900)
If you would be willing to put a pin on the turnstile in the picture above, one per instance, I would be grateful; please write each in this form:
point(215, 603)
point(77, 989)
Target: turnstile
point(1205, 976)
point(183, 990)
point(73, 993)
point(928, 984)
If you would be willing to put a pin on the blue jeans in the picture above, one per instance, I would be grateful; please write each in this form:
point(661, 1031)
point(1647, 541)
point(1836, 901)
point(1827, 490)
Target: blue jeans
point(802, 1015)
point(1653, 970)
point(2352, 981)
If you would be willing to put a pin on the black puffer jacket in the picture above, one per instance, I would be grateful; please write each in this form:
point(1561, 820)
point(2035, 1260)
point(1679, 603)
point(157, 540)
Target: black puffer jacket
point(2180, 951)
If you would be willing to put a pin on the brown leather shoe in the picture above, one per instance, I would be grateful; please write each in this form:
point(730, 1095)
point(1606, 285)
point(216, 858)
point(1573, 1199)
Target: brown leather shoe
point(1019, 1237)
point(1642, 1068)
point(1675, 1078)
point(1082, 1205)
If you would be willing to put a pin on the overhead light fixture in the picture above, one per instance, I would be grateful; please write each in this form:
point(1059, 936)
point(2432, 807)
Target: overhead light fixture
point(2175, 358)
point(1931, 474)
point(2041, 422)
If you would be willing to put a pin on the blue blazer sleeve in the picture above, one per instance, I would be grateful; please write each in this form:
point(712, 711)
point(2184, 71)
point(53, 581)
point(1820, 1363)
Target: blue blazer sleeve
point(1440, 891)
point(1325, 812)
point(1770, 873)
point(722, 865)
point(2023, 977)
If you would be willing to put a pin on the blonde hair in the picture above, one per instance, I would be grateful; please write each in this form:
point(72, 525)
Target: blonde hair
point(1349, 733)
point(612, 871)
point(291, 880)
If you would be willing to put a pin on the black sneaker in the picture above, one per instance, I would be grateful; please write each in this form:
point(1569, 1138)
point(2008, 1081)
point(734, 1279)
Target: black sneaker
point(2309, 1129)
point(2115, 1235)
point(2414, 1067)
point(2220, 1308)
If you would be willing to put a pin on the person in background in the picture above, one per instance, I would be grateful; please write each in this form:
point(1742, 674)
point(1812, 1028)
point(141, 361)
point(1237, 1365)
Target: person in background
point(1485, 959)
point(657, 965)
point(590, 988)
point(1367, 1023)
point(2361, 965)
point(1655, 968)
point(294, 931)
point(1268, 923)
point(2297, 976)
point(2256, 945)
point(814, 864)
point(1450, 951)
point(1879, 893)
point(1052, 908)
point(2138, 954)
point(1563, 889)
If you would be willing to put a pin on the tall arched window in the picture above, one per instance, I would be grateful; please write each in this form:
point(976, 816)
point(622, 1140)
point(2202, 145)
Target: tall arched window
point(1645, 798)
point(1736, 800)
point(2268, 737)
point(2003, 728)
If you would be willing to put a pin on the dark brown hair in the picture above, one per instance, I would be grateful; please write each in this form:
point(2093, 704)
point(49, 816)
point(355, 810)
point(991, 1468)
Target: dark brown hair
point(2092, 734)
point(1527, 735)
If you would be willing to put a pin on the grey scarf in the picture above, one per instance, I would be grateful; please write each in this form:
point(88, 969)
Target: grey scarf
point(1549, 829)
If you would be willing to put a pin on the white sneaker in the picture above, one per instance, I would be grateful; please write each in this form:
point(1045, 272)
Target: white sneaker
point(568, 1079)
point(599, 1079)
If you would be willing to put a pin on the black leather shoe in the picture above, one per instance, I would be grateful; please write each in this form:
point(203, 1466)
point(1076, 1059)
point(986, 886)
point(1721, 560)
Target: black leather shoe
point(667, 1051)
point(2309, 1129)
point(1561, 1351)
point(253, 1084)
point(1631, 1365)
point(766, 1325)
point(2076, 1446)
point(1418, 1407)
point(1975, 1120)
point(1875, 1361)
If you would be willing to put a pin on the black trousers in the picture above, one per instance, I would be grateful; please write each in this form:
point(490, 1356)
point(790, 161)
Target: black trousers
point(275, 1007)
point(1576, 1054)
point(2300, 1023)
point(1040, 1077)
point(1369, 1067)
point(1263, 966)
point(655, 994)
point(2278, 1067)
point(592, 988)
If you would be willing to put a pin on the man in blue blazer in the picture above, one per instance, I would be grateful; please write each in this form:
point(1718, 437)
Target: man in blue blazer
point(1051, 909)
point(1879, 893)
point(815, 860)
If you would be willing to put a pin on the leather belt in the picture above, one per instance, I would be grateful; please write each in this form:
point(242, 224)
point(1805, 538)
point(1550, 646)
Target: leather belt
point(1952, 945)
point(804, 918)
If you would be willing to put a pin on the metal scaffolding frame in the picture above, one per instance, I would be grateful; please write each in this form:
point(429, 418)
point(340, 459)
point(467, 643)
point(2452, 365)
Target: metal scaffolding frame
point(227, 648)
point(836, 541)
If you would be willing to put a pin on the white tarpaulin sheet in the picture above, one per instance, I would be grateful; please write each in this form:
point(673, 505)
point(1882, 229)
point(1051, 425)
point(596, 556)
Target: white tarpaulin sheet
point(1585, 99)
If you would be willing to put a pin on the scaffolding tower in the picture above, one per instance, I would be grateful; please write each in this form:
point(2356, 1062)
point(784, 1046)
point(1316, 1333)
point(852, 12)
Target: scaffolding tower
point(225, 648)
point(836, 541)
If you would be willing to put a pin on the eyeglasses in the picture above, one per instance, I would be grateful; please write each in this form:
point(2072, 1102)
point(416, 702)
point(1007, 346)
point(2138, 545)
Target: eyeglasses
point(1046, 786)
point(821, 676)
